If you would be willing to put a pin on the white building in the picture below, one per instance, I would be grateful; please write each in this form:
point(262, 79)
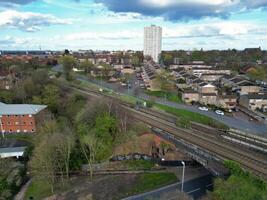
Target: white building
point(153, 42)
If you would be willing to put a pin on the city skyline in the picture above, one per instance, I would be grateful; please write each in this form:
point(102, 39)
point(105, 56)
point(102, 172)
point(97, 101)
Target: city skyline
point(109, 25)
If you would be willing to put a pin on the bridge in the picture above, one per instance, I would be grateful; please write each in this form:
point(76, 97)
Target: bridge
point(210, 148)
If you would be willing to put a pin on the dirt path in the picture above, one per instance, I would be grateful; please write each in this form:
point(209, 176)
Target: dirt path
point(21, 194)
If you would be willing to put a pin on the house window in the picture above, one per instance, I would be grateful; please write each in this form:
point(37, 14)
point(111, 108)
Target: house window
point(24, 123)
point(32, 130)
point(16, 123)
point(30, 115)
point(10, 131)
point(8, 123)
point(31, 123)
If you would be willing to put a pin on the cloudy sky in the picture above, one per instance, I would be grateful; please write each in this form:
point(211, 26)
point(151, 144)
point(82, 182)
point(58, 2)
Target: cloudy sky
point(118, 24)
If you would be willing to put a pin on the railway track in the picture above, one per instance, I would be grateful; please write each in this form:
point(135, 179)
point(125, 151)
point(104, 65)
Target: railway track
point(254, 164)
point(247, 159)
point(215, 137)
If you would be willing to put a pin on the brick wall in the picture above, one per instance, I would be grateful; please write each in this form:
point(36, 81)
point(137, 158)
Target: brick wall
point(17, 123)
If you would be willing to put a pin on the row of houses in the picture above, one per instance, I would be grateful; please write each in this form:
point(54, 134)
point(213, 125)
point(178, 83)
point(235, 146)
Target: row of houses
point(149, 73)
point(211, 86)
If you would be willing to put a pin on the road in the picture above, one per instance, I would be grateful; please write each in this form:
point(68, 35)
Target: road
point(195, 188)
point(236, 123)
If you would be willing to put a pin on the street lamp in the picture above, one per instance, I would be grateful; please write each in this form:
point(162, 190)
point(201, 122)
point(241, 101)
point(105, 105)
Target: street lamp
point(183, 163)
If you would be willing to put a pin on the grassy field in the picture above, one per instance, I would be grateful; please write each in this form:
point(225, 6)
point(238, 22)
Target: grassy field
point(171, 96)
point(138, 164)
point(38, 190)
point(150, 181)
point(191, 116)
point(23, 137)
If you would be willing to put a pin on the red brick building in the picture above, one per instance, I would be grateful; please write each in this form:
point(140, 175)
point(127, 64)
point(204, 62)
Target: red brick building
point(19, 118)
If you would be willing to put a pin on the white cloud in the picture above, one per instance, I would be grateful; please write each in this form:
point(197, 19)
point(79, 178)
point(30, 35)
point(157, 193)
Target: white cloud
point(29, 21)
point(103, 35)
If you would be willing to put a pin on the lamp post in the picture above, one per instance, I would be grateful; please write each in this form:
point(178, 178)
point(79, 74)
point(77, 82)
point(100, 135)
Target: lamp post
point(183, 163)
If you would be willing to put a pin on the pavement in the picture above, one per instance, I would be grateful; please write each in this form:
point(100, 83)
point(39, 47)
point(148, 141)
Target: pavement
point(242, 124)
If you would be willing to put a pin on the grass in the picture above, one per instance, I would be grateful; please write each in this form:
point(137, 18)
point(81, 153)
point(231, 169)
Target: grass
point(191, 116)
point(38, 189)
point(171, 96)
point(150, 181)
point(23, 137)
point(138, 164)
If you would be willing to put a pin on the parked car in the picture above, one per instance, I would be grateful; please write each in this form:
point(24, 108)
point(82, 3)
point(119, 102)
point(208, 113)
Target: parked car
point(203, 108)
point(219, 112)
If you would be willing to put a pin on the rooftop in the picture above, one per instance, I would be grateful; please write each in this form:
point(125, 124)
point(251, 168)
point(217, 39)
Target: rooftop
point(20, 109)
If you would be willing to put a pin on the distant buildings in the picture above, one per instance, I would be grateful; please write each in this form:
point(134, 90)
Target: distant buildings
point(153, 42)
point(16, 118)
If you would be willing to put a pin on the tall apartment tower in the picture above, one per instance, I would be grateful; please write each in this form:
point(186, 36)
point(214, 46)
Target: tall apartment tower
point(153, 42)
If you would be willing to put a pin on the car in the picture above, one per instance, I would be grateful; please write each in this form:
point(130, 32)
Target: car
point(203, 108)
point(219, 112)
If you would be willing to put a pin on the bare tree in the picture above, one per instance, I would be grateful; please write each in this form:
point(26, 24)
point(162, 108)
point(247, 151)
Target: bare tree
point(90, 146)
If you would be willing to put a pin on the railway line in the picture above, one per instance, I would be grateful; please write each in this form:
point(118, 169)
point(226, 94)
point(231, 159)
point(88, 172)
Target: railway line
point(254, 164)
point(249, 160)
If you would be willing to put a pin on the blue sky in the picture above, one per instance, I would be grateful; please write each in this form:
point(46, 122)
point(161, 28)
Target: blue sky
point(118, 24)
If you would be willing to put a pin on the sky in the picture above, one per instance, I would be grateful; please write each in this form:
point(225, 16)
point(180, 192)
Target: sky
point(118, 24)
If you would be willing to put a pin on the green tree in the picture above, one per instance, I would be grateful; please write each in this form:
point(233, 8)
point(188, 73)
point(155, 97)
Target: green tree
point(167, 59)
point(50, 97)
point(87, 66)
point(68, 63)
point(164, 80)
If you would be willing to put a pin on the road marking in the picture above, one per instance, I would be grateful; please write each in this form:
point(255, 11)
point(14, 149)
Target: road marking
point(193, 191)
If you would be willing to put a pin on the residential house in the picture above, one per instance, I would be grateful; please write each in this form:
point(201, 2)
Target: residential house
point(189, 95)
point(227, 101)
point(254, 101)
point(208, 98)
point(205, 88)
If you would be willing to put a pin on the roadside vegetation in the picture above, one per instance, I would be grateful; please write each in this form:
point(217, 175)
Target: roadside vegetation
point(185, 117)
point(171, 96)
point(240, 185)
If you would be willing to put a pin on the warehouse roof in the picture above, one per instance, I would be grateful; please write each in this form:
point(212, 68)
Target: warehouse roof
point(20, 109)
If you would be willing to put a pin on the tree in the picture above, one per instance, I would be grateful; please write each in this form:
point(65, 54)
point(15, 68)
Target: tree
point(50, 97)
point(106, 69)
point(167, 59)
point(51, 158)
point(87, 66)
point(135, 61)
point(69, 63)
point(90, 146)
point(164, 80)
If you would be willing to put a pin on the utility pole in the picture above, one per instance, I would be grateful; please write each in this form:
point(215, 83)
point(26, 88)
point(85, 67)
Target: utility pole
point(183, 163)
